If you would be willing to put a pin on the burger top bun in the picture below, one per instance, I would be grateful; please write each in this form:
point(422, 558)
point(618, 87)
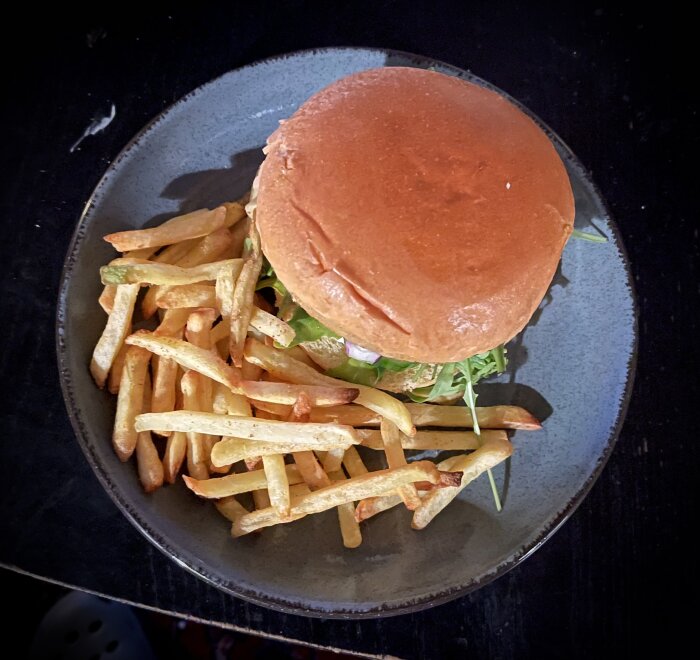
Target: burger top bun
point(414, 213)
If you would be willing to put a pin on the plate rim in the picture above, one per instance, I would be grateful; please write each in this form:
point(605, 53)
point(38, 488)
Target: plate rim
point(285, 604)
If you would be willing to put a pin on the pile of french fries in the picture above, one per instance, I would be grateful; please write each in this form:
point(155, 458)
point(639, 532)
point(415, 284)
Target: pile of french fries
point(259, 430)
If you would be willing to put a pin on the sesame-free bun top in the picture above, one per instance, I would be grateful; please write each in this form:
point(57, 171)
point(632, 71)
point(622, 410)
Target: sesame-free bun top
point(414, 213)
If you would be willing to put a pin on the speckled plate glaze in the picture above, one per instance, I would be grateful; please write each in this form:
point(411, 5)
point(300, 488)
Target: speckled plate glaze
point(573, 366)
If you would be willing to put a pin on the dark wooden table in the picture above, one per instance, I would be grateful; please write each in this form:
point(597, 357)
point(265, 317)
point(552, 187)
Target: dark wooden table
point(616, 85)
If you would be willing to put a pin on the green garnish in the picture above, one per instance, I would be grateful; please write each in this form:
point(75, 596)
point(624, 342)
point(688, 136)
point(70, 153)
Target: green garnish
point(307, 328)
point(585, 236)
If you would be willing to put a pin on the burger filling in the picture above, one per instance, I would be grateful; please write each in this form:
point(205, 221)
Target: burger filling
point(343, 359)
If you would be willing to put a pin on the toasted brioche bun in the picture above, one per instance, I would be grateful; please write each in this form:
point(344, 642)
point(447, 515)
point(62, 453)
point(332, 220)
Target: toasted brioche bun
point(416, 214)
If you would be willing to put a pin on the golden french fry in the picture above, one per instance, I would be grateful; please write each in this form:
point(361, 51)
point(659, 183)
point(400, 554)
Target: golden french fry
point(187, 356)
point(199, 251)
point(198, 328)
point(235, 484)
point(186, 295)
point(260, 497)
point(353, 463)
point(243, 296)
point(125, 271)
point(371, 506)
point(429, 414)
point(251, 428)
point(309, 467)
point(224, 287)
point(168, 255)
point(173, 322)
point(227, 403)
point(118, 326)
point(106, 298)
point(175, 452)
point(396, 459)
point(298, 353)
point(196, 451)
point(164, 385)
point(219, 332)
point(277, 483)
point(490, 454)
point(149, 466)
point(231, 449)
point(438, 440)
point(230, 508)
point(181, 228)
point(281, 365)
point(239, 232)
point(357, 488)
point(130, 401)
point(115, 373)
point(250, 371)
point(271, 326)
point(349, 527)
point(319, 395)
point(333, 459)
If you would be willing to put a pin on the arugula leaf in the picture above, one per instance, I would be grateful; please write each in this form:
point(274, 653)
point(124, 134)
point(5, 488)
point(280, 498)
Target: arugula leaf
point(585, 236)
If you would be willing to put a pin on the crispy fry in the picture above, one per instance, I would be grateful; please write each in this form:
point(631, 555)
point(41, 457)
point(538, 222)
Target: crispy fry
point(272, 327)
point(349, 528)
point(227, 403)
point(125, 271)
point(371, 506)
point(279, 364)
point(149, 466)
point(250, 371)
point(224, 287)
point(428, 414)
point(277, 483)
point(490, 454)
point(231, 449)
point(186, 295)
point(196, 451)
point(115, 373)
point(319, 395)
point(235, 484)
point(373, 483)
point(198, 328)
point(320, 435)
point(298, 353)
point(353, 463)
point(181, 228)
point(106, 298)
point(118, 326)
point(220, 332)
point(164, 385)
point(438, 440)
point(395, 459)
point(130, 401)
point(187, 356)
point(175, 452)
point(333, 459)
point(173, 322)
point(230, 508)
point(243, 295)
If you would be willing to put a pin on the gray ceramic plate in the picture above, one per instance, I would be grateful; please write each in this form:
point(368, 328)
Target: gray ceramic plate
point(573, 366)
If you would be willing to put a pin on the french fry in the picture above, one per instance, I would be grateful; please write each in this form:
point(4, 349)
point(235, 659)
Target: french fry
point(281, 365)
point(333, 459)
point(115, 373)
point(396, 459)
point(490, 454)
point(175, 452)
point(200, 251)
point(168, 255)
point(277, 483)
point(428, 414)
point(251, 428)
point(250, 371)
point(125, 271)
point(149, 466)
point(106, 298)
point(235, 484)
point(231, 449)
point(371, 506)
point(227, 403)
point(196, 451)
point(164, 385)
point(220, 332)
point(118, 326)
point(130, 401)
point(223, 289)
point(438, 440)
point(198, 328)
point(186, 295)
point(239, 232)
point(173, 322)
point(353, 463)
point(243, 295)
point(181, 228)
point(349, 527)
point(319, 395)
point(260, 497)
point(187, 356)
point(230, 508)
point(272, 327)
point(368, 485)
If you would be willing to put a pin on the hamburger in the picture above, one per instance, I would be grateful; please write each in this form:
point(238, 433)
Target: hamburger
point(412, 223)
